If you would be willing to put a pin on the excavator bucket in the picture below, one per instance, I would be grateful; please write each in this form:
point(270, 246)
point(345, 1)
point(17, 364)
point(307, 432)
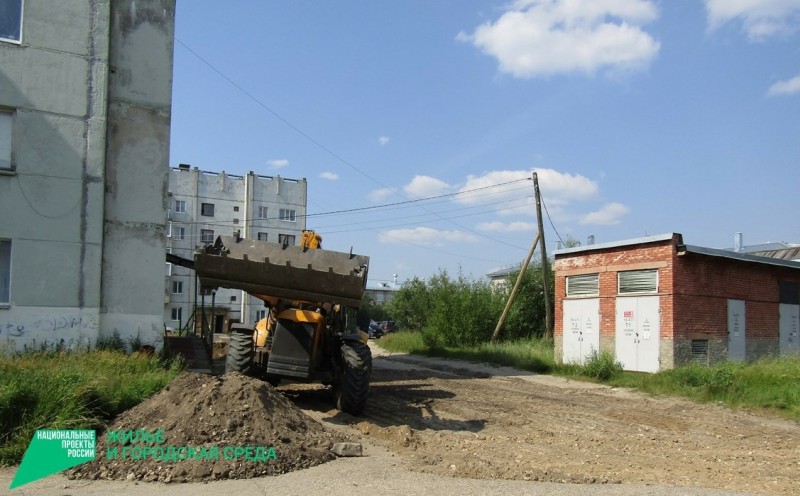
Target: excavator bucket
point(273, 270)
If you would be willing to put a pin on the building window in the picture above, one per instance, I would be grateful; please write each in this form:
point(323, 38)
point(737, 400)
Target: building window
point(287, 215)
point(286, 239)
point(177, 287)
point(5, 271)
point(180, 206)
point(233, 299)
point(699, 351)
point(235, 221)
point(262, 236)
point(262, 212)
point(235, 209)
point(638, 281)
point(11, 20)
point(207, 209)
point(176, 313)
point(179, 233)
point(6, 123)
point(206, 235)
point(583, 285)
point(261, 314)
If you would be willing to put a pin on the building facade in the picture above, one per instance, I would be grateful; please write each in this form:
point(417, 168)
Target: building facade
point(657, 303)
point(85, 102)
point(204, 205)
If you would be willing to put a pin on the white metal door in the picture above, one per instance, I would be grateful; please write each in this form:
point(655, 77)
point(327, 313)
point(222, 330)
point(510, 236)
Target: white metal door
point(789, 328)
point(638, 333)
point(581, 329)
point(737, 339)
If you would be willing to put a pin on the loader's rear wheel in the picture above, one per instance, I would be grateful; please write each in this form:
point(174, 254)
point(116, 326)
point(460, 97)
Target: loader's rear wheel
point(351, 386)
point(240, 351)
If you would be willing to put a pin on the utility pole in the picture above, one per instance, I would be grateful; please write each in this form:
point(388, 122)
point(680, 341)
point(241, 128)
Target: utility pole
point(514, 291)
point(548, 332)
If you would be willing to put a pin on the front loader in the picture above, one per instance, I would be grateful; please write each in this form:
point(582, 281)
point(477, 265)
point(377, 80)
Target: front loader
point(310, 332)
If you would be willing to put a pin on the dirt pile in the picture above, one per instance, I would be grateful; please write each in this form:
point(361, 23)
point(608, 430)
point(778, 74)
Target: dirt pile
point(204, 428)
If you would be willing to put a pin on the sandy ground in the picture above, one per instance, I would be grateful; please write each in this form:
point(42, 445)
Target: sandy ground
point(435, 425)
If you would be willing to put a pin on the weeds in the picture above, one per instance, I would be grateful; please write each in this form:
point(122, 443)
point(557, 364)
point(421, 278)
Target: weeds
point(72, 390)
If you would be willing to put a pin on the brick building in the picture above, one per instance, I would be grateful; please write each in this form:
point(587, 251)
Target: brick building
point(657, 303)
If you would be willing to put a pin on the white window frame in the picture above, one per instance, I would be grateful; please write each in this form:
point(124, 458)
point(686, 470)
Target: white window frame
point(21, 25)
point(180, 206)
point(5, 280)
point(262, 212)
point(204, 238)
point(261, 314)
point(179, 233)
point(177, 287)
point(288, 215)
point(262, 236)
point(292, 239)
point(7, 138)
point(636, 290)
point(203, 207)
point(177, 312)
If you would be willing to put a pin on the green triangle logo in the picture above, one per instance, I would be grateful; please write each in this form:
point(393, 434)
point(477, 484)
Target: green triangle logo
point(51, 451)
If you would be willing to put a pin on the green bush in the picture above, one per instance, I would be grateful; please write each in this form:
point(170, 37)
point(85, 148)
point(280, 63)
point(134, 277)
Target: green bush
point(602, 366)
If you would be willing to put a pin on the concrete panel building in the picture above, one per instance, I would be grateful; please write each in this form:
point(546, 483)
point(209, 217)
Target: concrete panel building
point(657, 303)
point(85, 102)
point(204, 205)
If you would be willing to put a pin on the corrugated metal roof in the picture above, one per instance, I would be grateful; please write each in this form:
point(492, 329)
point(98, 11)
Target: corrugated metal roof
point(791, 253)
point(616, 244)
point(744, 257)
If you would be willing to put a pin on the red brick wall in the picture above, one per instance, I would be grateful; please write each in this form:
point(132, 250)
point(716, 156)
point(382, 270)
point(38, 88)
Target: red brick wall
point(694, 289)
point(607, 263)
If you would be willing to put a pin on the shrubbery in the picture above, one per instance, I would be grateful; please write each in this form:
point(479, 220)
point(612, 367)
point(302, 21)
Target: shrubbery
point(463, 312)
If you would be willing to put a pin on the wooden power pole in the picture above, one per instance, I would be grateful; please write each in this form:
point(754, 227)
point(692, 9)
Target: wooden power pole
point(548, 332)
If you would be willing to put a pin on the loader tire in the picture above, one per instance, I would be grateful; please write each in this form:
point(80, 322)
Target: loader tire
point(240, 352)
point(352, 385)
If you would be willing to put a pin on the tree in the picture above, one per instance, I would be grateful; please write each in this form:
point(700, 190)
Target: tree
point(410, 306)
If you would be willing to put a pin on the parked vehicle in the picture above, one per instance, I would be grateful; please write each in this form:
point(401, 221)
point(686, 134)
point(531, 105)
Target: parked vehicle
point(388, 326)
point(374, 330)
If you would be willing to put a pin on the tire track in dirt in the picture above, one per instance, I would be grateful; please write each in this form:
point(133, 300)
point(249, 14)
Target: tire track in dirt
point(458, 421)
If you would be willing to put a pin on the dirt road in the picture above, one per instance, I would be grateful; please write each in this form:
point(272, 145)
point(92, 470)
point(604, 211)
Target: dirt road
point(439, 427)
point(479, 422)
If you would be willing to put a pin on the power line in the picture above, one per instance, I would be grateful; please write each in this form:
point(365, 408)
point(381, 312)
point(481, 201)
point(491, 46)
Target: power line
point(551, 220)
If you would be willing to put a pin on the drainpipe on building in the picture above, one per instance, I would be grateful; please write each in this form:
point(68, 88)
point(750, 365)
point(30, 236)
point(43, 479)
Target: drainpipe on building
point(244, 316)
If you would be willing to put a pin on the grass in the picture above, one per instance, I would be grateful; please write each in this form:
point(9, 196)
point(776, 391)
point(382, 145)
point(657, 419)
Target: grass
point(769, 385)
point(72, 390)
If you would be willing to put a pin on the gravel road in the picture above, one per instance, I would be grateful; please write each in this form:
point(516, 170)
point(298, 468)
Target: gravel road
point(436, 426)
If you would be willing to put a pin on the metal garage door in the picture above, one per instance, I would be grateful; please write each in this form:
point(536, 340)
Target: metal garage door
point(638, 333)
point(789, 325)
point(737, 339)
point(581, 329)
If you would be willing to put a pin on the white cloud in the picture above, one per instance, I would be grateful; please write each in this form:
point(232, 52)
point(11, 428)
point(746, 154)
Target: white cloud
point(558, 188)
point(788, 87)
point(425, 236)
point(517, 226)
point(384, 140)
point(330, 176)
point(277, 164)
point(425, 186)
point(609, 215)
point(543, 37)
point(760, 18)
point(380, 195)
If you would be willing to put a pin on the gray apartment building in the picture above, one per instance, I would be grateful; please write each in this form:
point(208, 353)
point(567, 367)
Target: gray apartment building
point(85, 103)
point(204, 205)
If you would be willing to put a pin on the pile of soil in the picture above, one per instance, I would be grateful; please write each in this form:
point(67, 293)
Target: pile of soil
point(207, 412)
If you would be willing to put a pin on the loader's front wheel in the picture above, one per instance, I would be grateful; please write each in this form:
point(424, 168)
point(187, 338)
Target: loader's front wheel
point(351, 386)
point(240, 351)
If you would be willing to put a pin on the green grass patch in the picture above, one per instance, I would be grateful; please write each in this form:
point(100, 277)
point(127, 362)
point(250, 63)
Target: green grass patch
point(72, 390)
point(770, 385)
point(535, 355)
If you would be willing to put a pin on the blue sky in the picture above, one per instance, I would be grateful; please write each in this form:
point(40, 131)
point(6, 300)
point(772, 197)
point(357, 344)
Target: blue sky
point(640, 117)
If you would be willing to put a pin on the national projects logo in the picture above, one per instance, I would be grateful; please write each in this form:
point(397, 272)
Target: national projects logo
point(51, 451)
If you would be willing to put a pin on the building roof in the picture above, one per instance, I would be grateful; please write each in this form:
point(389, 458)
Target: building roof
point(616, 244)
point(787, 257)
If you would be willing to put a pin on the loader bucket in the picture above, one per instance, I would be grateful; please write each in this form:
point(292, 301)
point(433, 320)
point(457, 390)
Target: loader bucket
point(266, 269)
